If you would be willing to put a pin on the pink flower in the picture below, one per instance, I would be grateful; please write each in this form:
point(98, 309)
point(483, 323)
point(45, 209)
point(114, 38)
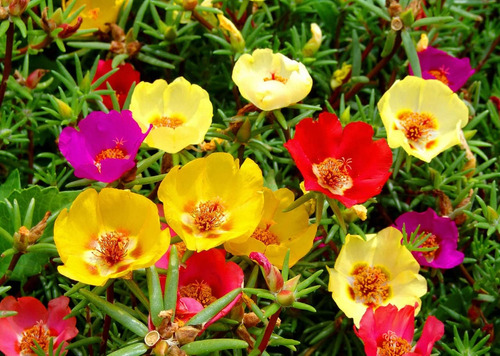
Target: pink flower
point(121, 81)
point(34, 322)
point(104, 147)
point(389, 331)
point(437, 64)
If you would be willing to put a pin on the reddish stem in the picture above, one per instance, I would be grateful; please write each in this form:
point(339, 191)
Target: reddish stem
point(269, 330)
point(110, 297)
point(7, 63)
point(11, 267)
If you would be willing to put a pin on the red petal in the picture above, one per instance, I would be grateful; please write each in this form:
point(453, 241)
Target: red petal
point(433, 331)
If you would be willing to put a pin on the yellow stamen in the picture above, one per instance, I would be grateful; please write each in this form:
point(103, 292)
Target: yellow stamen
point(265, 236)
point(440, 74)
point(112, 247)
point(36, 333)
point(370, 285)
point(116, 152)
point(173, 122)
point(94, 13)
point(416, 126)
point(393, 345)
point(432, 241)
point(200, 291)
point(333, 174)
point(208, 215)
point(276, 77)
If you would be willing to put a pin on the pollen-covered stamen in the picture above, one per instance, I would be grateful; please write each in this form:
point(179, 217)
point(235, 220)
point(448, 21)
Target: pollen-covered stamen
point(265, 236)
point(162, 121)
point(276, 77)
point(393, 345)
point(38, 333)
point(417, 126)
point(333, 174)
point(117, 152)
point(208, 215)
point(370, 285)
point(200, 291)
point(440, 74)
point(112, 247)
point(432, 241)
point(94, 13)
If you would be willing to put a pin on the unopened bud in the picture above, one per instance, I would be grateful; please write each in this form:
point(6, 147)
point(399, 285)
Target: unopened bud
point(272, 274)
point(161, 348)
point(312, 46)
point(69, 30)
point(235, 37)
point(245, 132)
point(423, 43)
point(63, 109)
point(4, 14)
point(189, 5)
point(35, 77)
point(286, 297)
point(17, 7)
point(394, 8)
point(24, 238)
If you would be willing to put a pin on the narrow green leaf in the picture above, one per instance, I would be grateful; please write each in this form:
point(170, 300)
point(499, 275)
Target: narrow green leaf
point(213, 345)
point(432, 21)
point(209, 312)
point(172, 281)
point(155, 295)
point(134, 288)
point(411, 53)
point(375, 9)
point(131, 350)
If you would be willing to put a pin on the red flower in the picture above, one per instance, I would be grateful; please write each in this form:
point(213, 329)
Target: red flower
point(389, 331)
point(121, 81)
point(346, 165)
point(34, 322)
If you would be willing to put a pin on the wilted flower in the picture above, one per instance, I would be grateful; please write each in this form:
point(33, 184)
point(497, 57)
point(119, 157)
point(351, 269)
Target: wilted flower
point(340, 75)
point(34, 323)
point(270, 80)
point(236, 39)
point(389, 331)
point(375, 272)
point(121, 81)
point(108, 235)
point(437, 64)
point(180, 113)
point(212, 200)
point(346, 165)
point(104, 147)
point(97, 12)
point(312, 46)
point(444, 235)
point(422, 116)
point(278, 231)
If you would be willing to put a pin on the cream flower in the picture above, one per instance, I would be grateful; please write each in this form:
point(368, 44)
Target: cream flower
point(423, 116)
point(270, 80)
point(180, 113)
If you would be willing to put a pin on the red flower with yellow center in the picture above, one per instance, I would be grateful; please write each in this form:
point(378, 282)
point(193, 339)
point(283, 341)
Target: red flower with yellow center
point(345, 164)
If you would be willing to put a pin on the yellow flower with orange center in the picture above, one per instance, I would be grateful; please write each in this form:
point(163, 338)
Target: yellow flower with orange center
point(212, 200)
point(270, 80)
point(423, 116)
point(278, 231)
point(180, 113)
point(108, 235)
point(96, 12)
point(375, 272)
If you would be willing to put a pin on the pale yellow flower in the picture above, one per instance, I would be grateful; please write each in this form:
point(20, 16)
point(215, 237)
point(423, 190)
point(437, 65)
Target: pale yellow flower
point(97, 12)
point(180, 113)
point(375, 272)
point(278, 231)
point(423, 116)
point(236, 39)
point(270, 80)
point(312, 46)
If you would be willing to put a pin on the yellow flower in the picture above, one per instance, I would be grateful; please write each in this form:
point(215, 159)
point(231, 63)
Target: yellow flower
point(270, 80)
point(236, 39)
point(108, 235)
point(339, 75)
point(312, 46)
point(423, 116)
point(212, 200)
point(375, 272)
point(278, 231)
point(180, 113)
point(97, 12)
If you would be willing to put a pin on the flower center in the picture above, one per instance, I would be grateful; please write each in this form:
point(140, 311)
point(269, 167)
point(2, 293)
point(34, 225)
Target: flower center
point(94, 13)
point(265, 236)
point(333, 174)
point(416, 126)
point(112, 247)
point(370, 285)
point(116, 152)
point(393, 345)
point(208, 215)
point(200, 291)
point(36, 333)
point(432, 241)
point(440, 74)
point(276, 77)
point(173, 121)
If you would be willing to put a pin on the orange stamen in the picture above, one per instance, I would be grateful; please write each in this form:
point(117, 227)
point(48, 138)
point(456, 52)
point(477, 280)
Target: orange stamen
point(370, 285)
point(333, 174)
point(276, 77)
point(200, 291)
point(393, 345)
point(208, 215)
point(416, 126)
point(172, 122)
point(440, 74)
point(112, 247)
point(432, 241)
point(36, 333)
point(116, 152)
point(265, 236)
point(94, 13)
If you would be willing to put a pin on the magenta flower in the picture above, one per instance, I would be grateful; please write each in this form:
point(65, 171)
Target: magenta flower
point(34, 323)
point(444, 235)
point(437, 64)
point(104, 147)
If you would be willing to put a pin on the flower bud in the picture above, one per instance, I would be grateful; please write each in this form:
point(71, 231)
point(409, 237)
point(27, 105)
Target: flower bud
point(34, 78)
point(286, 297)
point(17, 7)
point(312, 46)
point(63, 109)
point(422, 43)
point(161, 348)
point(189, 5)
point(24, 238)
point(272, 274)
point(235, 37)
point(186, 334)
point(69, 30)
point(4, 14)
point(245, 131)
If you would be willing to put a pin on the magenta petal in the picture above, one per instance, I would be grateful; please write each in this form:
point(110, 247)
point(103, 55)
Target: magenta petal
point(64, 329)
